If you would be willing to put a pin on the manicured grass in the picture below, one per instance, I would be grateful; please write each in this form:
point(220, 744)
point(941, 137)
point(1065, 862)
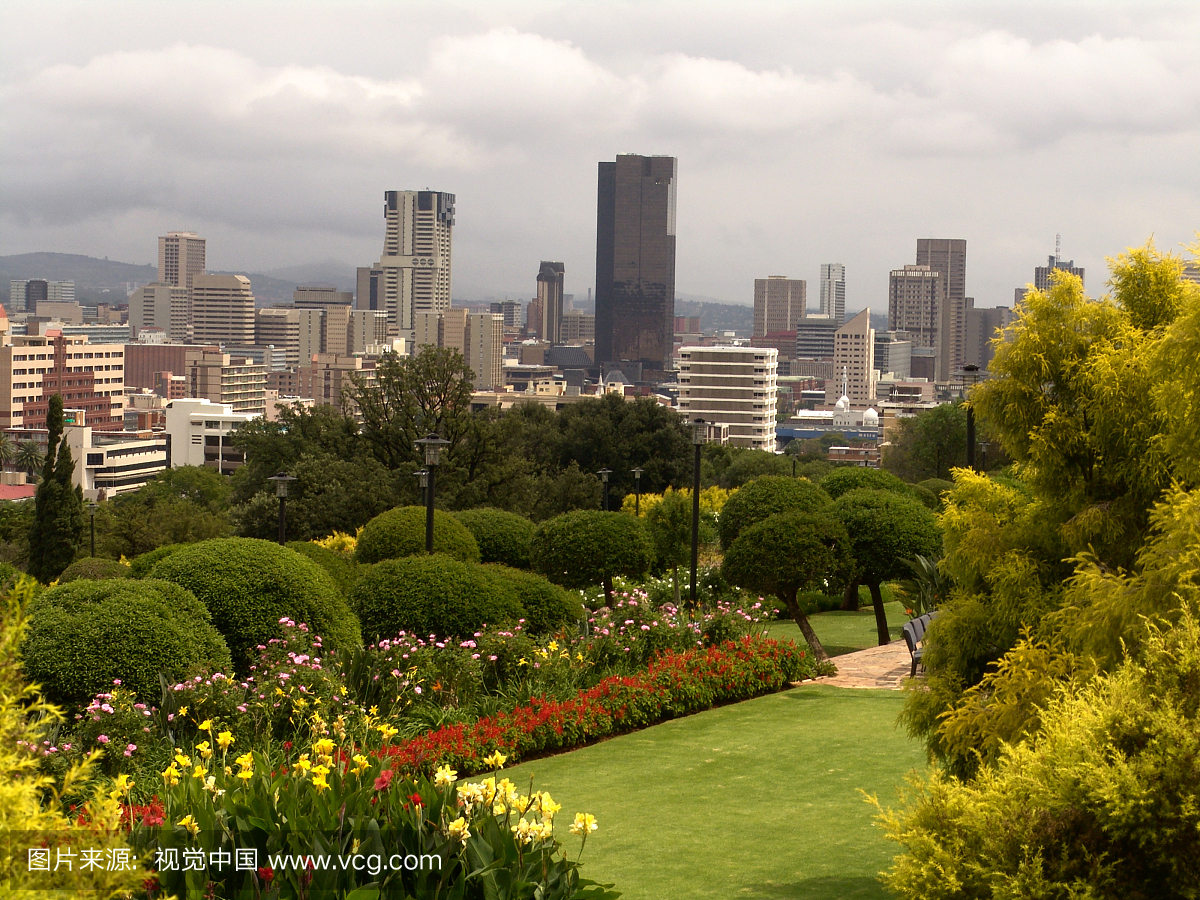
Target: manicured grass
point(757, 799)
point(843, 632)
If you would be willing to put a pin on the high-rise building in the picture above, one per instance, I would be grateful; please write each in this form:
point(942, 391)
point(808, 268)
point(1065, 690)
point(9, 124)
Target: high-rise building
point(159, 305)
point(550, 300)
point(635, 261)
point(981, 328)
point(1041, 274)
point(485, 350)
point(833, 291)
point(368, 329)
point(733, 386)
point(948, 256)
point(447, 328)
point(415, 265)
point(853, 361)
point(369, 293)
point(533, 318)
point(893, 354)
point(89, 377)
point(297, 332)
point(222, 309)
point(181, 257)
point(335, 306)
point(511, 310)
point(578, 327)
point(917, 304)
point(779, 303)
point(814, 337)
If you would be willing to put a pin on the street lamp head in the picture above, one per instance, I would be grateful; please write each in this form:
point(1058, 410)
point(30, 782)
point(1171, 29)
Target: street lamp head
point(282, 480)
point(92, 507)
point(422, 478)
point(432, 444)
point(699, 432)
point(604, 473)
point(637, 474)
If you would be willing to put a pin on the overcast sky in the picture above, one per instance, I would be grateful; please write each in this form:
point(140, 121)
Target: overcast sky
point(805, 132)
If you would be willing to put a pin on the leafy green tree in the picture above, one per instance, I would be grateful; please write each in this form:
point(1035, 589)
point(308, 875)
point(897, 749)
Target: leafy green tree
point(929, 444)
point(731, 467)
point(30, 457)
point(587, 547)
point(789, 552)
point(180, 505)
point(765, 496)
point(670, 524)
point(885, 530)
point(58, 505)
point(8, 450)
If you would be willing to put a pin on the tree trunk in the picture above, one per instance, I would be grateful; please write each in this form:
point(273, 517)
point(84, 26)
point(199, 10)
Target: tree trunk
point(608, 591)
point(805, 628)
point(881, 624)
point(850, 598)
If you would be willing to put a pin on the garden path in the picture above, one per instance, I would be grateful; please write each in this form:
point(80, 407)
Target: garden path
point(883, 667)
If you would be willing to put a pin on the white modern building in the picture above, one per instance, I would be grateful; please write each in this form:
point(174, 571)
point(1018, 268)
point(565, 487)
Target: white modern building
point(415, 265)
point(833, 291)
point(198, 434)
point(112, 463)
point(732, 386)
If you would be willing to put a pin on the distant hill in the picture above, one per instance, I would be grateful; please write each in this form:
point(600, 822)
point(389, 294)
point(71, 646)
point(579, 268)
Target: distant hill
point(109, 281)
point(717, 316)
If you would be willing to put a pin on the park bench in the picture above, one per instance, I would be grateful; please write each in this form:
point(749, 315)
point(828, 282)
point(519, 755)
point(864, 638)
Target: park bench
point(914, 635)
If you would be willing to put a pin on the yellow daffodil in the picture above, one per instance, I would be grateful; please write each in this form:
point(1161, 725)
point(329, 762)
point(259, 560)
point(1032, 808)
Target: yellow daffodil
point(189, 822)
point(204, 749)
point(206, 725)
point(445, 776)
point(171, 775)
point(458, 829)
point(584, 824)
point(496, 760)
point(225, 740)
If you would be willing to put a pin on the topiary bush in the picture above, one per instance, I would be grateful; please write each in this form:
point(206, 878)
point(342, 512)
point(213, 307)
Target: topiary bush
point(93, 569)
point(401, 532)
point(548, 607)
point(503, 537)
point(765, 497)
point(342, 569)
point(86, 634)
point(938, 487)
point(587, 547)
point(141, 565)
point(851, 478)
point(248, 585)
point(432, 595)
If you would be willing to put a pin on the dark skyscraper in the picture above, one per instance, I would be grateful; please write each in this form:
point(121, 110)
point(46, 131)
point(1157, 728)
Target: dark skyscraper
point(550, 301)
point(635, 262)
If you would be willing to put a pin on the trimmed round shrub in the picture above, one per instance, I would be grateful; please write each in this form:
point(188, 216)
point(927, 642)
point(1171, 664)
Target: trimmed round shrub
point(141, 565)
point(93, 569)
point(588, 547)
point(248, 585)
point(764, 497)
point(548, 607)
point(342, 570)
point(852, 478)
point(937, 487)
point(86, 634)
point(401, 532)
point(503, 537)
point(432, 595)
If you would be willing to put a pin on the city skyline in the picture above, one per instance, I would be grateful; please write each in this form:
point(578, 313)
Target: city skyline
point(294, 126)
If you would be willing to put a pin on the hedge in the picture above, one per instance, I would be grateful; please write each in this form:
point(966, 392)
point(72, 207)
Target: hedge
point(342, 570)
point(401, 532)
point(86, 634)
point(141, 565)
point(675, 684)
point(249, 585)
point(432, 595)
point(851, 478)
point(93, 569)
point(548, 607)
point(503, 537)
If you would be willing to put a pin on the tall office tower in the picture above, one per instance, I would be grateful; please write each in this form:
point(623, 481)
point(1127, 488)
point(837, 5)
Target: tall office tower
point(485, 350)
point(369, 293)
point(854, 360)
point(297, 332)
point(734, 386)
point(916, 301)
point(180, 258)
point(335, 322)
point(164, 306)
point(416, 254)
point(635, 261)
point(533, 319)
point(949, 257)
point(815, 337)
point(981, 327)
point(893, 354)
point(511, 310)
point(550, 297)
point(833, 291)
point(779, 303)
point(1041, 274)
point(37, 290)
point(368, 329)
point(222, 309)
point(447, 328)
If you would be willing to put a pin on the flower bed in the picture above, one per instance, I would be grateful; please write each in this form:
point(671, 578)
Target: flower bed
point(674, 684)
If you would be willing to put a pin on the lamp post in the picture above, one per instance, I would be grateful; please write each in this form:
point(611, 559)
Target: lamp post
point(282, 480)
point(970, 371)
point(637, 492)
point(983, 449)
point(432, 444)
point(423, 480)
point(699, 436)
point(92, 507)
point(604, 473)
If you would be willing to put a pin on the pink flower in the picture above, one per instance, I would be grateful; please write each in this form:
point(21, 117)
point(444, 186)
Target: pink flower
point(102, 738)
point(117, 681)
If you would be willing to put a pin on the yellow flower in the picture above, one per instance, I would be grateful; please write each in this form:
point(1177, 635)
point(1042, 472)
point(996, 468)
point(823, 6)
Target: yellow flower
point(521, 831)
point(319, 782)
point(198, 772)
point(496, 760)
point(522, 661)
point(324, 748)
point(183, 710)
point(584, 824)
point(553, 645)
point(228, 771)
point(204, 749)
point(225, 740)
point(302, 763)
point(182, 760)
point(522, 804)
point(320, 771)
point(121, 785)
point(458, 829)
point(445, 776)
point(206, 725)
point(361, 764)
point(470, 794)
point(246, 774)
point(246, 760)
point(171, 775)
point(189, 822)
point(540, 831)
point(547, 805)
point(387, 731)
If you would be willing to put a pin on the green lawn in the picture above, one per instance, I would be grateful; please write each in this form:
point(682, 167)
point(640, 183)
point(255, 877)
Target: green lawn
point(844, 632)
point(757, 799)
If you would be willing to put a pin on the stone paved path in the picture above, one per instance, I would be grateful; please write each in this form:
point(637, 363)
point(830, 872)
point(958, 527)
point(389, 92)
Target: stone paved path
point(883, 668)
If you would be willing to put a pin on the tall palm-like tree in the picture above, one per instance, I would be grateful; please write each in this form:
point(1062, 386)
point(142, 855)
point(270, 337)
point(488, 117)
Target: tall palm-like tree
point(30, 458)
point(8, 449)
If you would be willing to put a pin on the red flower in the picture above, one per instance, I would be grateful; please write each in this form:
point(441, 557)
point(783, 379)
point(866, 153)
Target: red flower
point(384, 779)
point(266, 874)
point(416, 799)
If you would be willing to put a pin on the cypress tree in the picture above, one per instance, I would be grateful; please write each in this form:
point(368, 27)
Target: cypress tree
point(58, 505)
